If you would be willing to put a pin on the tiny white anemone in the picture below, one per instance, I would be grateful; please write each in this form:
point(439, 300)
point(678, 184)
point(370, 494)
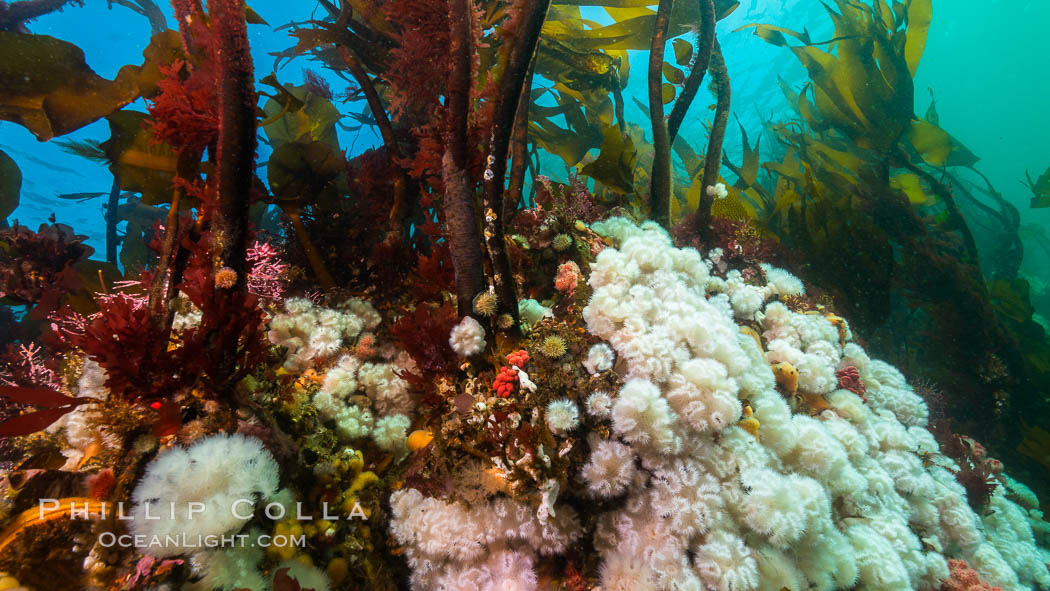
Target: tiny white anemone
point(467, 338)
point(600, 358)
point(562, 416)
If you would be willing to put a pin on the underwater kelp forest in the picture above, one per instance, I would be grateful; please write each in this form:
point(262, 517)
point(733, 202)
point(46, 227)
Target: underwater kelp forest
point(524, 295)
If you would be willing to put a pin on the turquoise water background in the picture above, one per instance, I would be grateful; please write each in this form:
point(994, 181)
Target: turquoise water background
point(986, 63)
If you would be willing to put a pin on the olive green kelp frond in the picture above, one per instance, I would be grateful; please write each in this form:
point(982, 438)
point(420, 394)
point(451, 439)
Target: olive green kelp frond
point(588, 62)
point(862, 82)
point(306, 163)
point(632, 22)
point(589, 72)
point(936, 146)
point(856, 114)
point(47, 87)
point(570, 143)
point(1040, 188)
point(297, 113)
point(139, 162)
point(614, 166)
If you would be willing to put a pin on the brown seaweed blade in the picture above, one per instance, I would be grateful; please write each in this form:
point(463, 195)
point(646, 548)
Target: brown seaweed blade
point(47, 87)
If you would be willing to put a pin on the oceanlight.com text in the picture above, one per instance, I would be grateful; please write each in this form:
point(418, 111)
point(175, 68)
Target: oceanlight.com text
point(110, 539)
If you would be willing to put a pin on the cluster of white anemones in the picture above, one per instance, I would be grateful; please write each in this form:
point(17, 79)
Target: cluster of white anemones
point(313, 333)
point(839, 500)
point(855, 497)
point(491, 545)
point(363, 392)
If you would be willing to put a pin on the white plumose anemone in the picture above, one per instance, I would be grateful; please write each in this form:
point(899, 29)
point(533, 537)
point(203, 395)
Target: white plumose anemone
point(209, 488)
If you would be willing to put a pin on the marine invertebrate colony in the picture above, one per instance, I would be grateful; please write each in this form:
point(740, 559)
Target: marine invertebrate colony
point(840, 500)
point(210, 478)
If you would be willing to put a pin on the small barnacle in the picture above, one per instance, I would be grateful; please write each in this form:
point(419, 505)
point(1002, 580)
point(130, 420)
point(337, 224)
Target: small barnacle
point(542, 455)
point(565, 447)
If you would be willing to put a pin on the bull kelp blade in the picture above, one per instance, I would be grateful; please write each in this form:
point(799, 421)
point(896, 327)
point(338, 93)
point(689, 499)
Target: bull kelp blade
point(683, 51)
point(614, 166)
point(1040, 189)
point(920, 14)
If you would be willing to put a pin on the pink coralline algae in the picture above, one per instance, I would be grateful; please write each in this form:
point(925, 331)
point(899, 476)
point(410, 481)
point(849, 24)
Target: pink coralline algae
point(849, 379)
point(149, 567)
point(67, 323)
point(29, 368)
point(266, 277)
point(964, 578)
point(137, 301)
